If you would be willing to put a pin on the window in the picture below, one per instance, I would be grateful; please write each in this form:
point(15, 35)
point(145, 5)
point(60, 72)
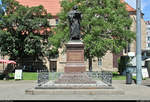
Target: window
point(57, 21)
point(148, 28)
point(99, 62)
point(148, 38)
point(53, 66)
point(127, 48)
point(148, 44)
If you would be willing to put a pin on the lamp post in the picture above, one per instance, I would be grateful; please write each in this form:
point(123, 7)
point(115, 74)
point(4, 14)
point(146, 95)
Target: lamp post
point(138, 42)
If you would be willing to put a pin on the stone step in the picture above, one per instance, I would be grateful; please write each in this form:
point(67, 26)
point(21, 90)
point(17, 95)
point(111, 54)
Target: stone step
point(75, 82)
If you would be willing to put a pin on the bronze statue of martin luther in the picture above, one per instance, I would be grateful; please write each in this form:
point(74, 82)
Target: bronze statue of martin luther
point(74, 17)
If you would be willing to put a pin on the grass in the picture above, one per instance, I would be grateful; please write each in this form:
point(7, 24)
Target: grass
point(33, 76)
point(29, 75)
point(119, 77)
point(26, 75)
point(116, 76)
point(134, 78)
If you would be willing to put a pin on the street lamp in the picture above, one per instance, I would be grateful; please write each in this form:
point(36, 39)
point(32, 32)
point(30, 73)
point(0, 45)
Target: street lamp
point(138, 42)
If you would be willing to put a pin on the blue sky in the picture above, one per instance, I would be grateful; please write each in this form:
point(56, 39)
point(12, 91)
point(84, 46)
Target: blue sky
point(145, 6)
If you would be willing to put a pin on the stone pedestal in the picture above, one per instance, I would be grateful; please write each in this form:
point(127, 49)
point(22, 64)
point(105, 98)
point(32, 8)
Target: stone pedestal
point(75, 57)
point(75, 67)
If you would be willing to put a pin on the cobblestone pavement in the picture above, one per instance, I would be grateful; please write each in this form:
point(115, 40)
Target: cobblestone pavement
point(15, 90)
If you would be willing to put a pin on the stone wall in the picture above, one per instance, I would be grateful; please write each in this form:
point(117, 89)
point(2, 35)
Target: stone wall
point(143, 34)
point(107, 62)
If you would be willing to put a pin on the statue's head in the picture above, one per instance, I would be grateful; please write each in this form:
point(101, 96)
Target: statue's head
point(75, 7)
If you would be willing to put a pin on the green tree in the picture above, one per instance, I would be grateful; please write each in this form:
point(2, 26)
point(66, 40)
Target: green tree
point(104, 27)
point(24, 30)
point(1, 10)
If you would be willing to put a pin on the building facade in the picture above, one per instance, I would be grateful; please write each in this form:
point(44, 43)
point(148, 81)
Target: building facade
point(147, 35)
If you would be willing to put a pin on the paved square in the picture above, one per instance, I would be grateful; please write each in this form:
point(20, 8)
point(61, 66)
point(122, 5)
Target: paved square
point(15, 90)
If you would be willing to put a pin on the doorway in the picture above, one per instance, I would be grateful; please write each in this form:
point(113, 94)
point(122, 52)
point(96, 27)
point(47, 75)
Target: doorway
point(53, 66)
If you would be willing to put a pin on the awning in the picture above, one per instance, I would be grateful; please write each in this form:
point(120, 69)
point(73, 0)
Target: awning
point(7, 61)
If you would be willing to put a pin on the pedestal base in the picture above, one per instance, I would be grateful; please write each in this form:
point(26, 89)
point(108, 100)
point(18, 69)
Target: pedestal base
point(95, 85)
point(74, 67)
point(75, 78)
point(57, 91)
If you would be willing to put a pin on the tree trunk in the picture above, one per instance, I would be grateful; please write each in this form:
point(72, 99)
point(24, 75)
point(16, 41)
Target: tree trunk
point(90, 64)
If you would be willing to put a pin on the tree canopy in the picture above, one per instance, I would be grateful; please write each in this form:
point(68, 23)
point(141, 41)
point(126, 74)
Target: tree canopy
point(23, 30)
point(105, 26)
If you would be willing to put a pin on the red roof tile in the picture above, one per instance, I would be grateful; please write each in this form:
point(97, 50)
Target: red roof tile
point(52, 6)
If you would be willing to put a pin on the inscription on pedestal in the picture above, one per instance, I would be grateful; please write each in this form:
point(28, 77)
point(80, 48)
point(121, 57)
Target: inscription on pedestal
point(75, 56)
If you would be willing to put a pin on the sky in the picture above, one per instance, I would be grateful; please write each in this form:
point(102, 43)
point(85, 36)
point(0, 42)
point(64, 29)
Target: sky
point(145, 7)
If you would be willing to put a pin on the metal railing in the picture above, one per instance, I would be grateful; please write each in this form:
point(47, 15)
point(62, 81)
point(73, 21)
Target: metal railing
point(104, 76)
point(45, 76)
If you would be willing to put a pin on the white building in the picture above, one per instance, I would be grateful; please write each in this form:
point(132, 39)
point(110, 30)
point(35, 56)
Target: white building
point(147, 35)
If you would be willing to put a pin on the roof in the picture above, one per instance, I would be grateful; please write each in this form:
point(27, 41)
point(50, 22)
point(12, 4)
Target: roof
point(52, 6)
point(128, 7)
